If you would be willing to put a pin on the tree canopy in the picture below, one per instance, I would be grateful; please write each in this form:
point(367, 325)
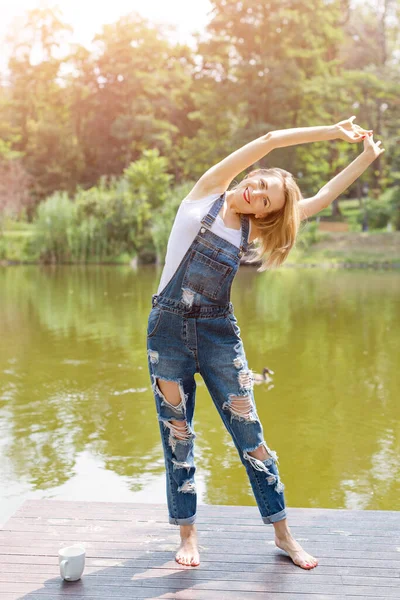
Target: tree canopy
point(70, 120)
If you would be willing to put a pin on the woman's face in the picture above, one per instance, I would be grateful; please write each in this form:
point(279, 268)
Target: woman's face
point(259, 195)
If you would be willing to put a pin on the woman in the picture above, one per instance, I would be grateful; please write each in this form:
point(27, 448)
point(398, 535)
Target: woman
point(192, 327)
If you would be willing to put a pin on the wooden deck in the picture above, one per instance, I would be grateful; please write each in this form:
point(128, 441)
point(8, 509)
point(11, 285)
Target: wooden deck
point(130, 549)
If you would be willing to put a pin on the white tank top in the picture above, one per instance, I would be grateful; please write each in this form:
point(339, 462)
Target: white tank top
point(184, 230)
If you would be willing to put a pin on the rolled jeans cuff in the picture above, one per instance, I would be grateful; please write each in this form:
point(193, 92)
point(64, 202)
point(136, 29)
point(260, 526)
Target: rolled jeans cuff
point(276, 517)
point(186, 521)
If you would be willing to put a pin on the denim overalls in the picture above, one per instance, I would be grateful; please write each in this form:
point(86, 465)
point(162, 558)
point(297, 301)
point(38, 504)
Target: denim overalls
point(192, 329)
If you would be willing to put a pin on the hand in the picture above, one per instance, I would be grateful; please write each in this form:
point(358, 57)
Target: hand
point(372, 148)
point(350, 132)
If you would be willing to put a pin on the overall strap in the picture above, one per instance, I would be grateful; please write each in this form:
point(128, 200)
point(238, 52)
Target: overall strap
point(244, 242)
point(210, 217)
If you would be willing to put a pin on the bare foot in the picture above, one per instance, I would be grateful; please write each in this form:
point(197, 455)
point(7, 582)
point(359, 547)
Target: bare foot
point(188, 553)
point(299, 556)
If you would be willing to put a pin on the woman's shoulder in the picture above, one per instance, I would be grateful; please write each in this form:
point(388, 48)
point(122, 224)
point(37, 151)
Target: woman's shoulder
point(200, 200)
point(202, 191)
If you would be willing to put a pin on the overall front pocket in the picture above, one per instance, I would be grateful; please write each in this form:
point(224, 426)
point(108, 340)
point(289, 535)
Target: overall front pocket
point(233, 324)
point(204, 275)
point(154, 321)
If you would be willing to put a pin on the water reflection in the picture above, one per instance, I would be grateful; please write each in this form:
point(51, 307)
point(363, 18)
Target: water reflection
point(74, 383)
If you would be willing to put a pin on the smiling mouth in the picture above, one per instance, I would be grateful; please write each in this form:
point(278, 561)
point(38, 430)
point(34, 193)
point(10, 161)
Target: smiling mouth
point(246, 195)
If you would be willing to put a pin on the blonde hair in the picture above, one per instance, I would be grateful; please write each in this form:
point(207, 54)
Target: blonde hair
point(278, 230)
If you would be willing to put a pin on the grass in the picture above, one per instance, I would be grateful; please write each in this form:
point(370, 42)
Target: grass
point(372, 248)
point(351, 212)
point(313, 247)
point(14, 241)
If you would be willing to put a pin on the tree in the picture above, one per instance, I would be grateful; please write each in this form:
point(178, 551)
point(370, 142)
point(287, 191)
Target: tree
point(15, 198)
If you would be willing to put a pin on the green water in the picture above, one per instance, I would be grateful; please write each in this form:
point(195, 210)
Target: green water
point(77, 415)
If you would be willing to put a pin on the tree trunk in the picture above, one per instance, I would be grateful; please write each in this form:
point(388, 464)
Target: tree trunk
point(336, 212)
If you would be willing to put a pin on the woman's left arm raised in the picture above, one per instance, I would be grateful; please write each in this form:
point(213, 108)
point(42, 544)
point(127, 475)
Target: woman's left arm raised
point(341, 181)
point(219, 176)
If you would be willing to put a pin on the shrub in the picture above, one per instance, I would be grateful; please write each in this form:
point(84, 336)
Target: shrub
point(309, 235)
point(394, 203)
point(377, 213)
point(55, 222)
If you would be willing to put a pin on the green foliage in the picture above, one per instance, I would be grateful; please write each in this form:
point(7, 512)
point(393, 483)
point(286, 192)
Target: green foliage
point(394, 203)
point(114, 127)
point(55, 222)
point(379, 213)
point(308, 235)
point(111, 220)
point(259, 67)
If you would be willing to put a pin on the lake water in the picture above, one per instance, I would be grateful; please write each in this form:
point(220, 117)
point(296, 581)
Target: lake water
point(77, 414)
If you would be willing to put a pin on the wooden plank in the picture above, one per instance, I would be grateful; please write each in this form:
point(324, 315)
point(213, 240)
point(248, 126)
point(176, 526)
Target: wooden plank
point(130, 549)
point(235, 523)
point(90, 587)
point(166, 593)
point(196, 576)
point(210, 538)
point(34, 523)
point(241, 512)
point(46, 525)
point(50, 568)
point(153, 512)
point(193, 576)
point(341, 558)
point(46, 543)
point(259, 530)
point(220, 508)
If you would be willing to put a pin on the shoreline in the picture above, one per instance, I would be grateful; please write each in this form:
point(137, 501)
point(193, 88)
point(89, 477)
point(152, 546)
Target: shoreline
point(378, 264)
point(331, 250)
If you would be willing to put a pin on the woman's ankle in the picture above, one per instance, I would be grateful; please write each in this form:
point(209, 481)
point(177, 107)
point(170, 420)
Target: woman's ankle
point(187, 530)
point(282, 530)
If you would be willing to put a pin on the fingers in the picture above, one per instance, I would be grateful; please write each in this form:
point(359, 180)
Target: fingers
point(355, 126)
point(369, 141)
point(361, 129)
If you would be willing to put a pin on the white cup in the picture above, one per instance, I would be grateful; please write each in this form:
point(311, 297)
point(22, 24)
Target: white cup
point(72, 562)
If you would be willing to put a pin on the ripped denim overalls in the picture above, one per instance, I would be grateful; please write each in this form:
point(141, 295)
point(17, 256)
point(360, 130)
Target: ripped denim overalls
point(192, 329)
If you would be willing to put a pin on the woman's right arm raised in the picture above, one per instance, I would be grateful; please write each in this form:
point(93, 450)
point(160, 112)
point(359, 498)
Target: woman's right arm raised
point(218, 178)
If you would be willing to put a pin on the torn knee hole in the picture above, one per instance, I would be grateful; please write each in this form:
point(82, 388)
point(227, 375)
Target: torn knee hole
point(240, 407)
point(179, 429)
point(180, 464)
point(261, 457)
point(187, 487)
point(174, 390)
point(260, 453)
point(179, 432)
